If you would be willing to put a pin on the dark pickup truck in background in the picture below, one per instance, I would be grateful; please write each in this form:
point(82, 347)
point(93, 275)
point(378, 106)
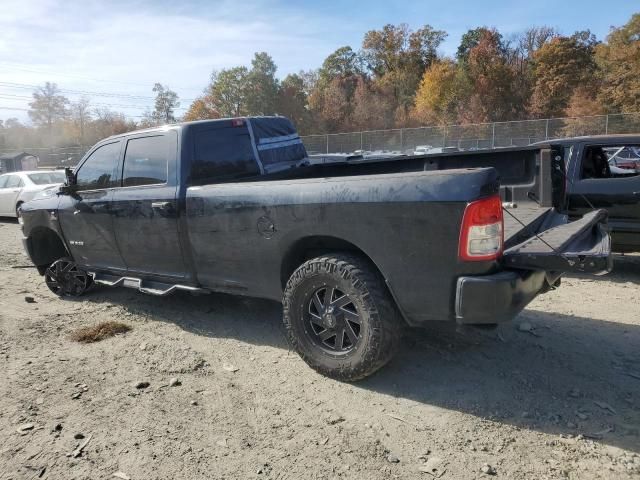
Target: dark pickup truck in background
point(355, 250)
point(604, 172)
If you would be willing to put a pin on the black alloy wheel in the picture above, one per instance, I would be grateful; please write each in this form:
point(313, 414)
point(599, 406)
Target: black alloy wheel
point(64, 278)
point(334, 320)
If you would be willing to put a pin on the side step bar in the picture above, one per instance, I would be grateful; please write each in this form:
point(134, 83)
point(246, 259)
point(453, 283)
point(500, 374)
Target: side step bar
point(144, 286)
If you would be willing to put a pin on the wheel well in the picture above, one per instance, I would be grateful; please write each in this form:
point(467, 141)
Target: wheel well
point(311, 247)
point(45, 247)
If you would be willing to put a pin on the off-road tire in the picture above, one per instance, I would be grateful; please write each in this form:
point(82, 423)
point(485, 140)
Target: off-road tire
point(381, 324)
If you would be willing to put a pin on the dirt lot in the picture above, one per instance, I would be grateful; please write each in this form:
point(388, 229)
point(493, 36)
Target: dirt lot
point(558, 400)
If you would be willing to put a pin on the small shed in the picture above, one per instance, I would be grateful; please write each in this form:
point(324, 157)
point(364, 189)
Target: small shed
point(17, 161)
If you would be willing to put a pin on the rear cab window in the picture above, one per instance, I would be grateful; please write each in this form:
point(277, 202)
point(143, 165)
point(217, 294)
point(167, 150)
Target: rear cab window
point(222, 154)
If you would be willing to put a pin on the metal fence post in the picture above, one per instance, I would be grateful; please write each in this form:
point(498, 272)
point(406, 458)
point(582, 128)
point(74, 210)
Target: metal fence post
point(327, 141)
point(444, 140)
point(546, 130)
point(361, 142)
point(606, 125)
point(401, 139)
point(493, 135)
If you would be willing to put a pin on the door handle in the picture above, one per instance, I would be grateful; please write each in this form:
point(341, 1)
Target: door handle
point(161, 205)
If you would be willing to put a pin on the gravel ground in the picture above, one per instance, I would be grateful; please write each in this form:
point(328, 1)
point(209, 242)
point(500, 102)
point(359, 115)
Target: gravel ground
point(555, 394)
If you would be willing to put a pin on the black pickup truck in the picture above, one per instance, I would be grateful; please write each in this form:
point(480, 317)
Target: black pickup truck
point(603, 171)
point(354, 250)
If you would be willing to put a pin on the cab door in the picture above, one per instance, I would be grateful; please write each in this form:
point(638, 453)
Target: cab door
point(618, 194)
point(85, 215)
point(145, 208)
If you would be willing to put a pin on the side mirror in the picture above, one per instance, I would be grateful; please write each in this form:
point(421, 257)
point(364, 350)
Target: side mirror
point(69, 186)
point(70, 176)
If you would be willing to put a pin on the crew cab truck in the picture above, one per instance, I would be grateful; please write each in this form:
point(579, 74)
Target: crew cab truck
point(354, 250)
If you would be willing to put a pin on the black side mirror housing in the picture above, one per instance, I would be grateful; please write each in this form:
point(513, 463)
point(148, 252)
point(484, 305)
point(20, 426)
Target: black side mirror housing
point(70, 183)
point(70, 176)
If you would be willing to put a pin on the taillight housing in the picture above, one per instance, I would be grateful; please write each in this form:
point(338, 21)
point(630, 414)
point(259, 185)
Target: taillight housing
point(482, 232)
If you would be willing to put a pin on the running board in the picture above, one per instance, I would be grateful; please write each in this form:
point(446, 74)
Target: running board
point(144, 286)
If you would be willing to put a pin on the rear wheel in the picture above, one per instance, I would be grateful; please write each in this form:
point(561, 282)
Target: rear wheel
point(340, 317)
point(19, 212)
point(64, 278)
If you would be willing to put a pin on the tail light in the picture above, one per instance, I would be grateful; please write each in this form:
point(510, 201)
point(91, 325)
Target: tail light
point(481, 235)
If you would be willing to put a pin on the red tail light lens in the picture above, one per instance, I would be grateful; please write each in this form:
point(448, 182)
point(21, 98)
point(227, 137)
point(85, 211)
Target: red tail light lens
point(482, 232)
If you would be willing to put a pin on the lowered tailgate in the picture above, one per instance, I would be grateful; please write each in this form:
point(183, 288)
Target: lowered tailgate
point(580, 246)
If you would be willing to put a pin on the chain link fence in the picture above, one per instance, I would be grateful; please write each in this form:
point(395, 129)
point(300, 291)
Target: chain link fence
point(405, 140)
point(472, 136)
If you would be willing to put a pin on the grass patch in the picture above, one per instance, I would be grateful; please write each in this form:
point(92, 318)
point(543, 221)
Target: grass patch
point(99, 332)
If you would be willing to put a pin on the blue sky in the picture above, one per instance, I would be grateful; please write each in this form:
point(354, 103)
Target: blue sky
point(120, 49)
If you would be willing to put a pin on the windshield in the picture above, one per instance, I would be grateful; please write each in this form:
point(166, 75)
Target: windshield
point(45, 178)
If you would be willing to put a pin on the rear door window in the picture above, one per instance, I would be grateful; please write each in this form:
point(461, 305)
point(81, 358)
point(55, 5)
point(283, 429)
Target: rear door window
point(146, 160)
point(3, 181)
point(222, 154)
point(14, 181)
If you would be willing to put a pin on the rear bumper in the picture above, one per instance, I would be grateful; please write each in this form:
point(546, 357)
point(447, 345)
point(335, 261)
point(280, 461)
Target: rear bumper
point(496, 298)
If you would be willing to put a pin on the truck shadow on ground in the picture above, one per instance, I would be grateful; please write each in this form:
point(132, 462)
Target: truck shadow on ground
point(567, 375)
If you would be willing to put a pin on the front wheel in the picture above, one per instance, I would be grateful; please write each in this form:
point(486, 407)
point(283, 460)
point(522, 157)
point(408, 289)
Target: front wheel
point(340, 317)
point(65, 279)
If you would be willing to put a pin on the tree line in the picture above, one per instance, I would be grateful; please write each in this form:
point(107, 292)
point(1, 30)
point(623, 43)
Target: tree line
point(396, 78)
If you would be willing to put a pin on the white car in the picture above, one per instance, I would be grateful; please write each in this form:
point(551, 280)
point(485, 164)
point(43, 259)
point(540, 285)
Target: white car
point(19, 187)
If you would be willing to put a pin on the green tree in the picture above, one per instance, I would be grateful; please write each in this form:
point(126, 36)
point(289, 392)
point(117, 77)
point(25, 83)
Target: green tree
point(228, 91)
point(165, 104)
point(619, 60)
point(48, 106)
point(343, 63)
point(262, 86)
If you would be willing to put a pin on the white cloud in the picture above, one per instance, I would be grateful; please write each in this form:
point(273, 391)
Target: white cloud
point(128, 46)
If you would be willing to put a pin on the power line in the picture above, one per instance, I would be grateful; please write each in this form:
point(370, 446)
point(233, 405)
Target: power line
point(22, 67)
point(9, 96)
point(25, 86)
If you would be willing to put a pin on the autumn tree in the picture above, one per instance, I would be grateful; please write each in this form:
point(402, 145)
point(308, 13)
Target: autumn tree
point(438, 95)
point(292, 102)
point(560, 66)
point(202, 108)
point(489, 81)
point(373, 108)
point(619, 60)
point(48, 106)
point(471, 39)
point(397, 57)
